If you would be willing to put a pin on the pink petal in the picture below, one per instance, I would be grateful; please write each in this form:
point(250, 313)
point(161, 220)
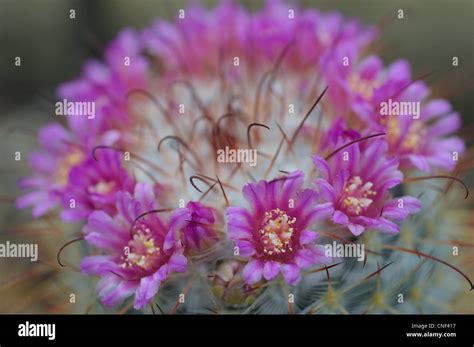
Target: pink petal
point(178, 263)
point(119, 293)
point(239, 223)
point(111, 289)
point(246, 248)
point(419, 162)
point(387, 226)
point(356, 229)
point(271, 270)
point(340, 218)
point(252, 272)
point(305, 258)
point(149, 286)
point(288, 187)
point(97, 265)
point(322, 166)
point(325, 190)
point(291, 273)
point(307, 236)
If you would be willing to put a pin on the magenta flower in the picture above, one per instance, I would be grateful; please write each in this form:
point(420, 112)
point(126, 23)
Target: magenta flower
point(198, 45)
point(109, 85)
point(93, 185)
point(176, 94)
point(51, 165)
point(275, 232)
point(194, 226)
point(423, 141)
point(135, 261)
point(357, 183)
point(62, 150)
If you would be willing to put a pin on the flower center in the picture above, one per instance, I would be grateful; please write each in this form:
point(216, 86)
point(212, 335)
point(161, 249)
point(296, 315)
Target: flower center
point(363, 87)
point(357, 196)
point(141, 251)
point(411, 138)
point(102, 187)
point(65, 164)
point(276, 232)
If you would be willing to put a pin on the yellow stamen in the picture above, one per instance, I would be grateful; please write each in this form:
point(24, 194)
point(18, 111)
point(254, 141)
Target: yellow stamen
point(141, 251)
point(276, 232)
point(357, 196)
point(65, 165)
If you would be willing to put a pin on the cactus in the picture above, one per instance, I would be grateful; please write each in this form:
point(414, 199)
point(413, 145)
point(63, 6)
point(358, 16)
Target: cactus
point(209, 164)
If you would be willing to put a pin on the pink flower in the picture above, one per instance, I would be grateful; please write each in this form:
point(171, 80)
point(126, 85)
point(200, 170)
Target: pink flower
point(357, 182)
point(194, 226)
point(108, 84)
point(275, 232)
point(52, 165)
point(424, 141)
point(202, 43)
point(93, 184)
point(135, 261)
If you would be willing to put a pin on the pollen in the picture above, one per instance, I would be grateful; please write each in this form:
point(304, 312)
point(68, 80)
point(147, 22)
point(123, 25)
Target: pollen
point(103, 187)
point(65, 165)
point(276, 232)
point(141, 251)
point(363, 87)
point(357, 196)
point(408, 140)
point(393, 130)
point(413, 137)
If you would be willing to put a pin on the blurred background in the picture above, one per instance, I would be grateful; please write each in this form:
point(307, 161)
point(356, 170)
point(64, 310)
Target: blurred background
point(53, 48)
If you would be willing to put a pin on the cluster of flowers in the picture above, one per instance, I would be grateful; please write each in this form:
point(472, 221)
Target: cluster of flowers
point(125, 219)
